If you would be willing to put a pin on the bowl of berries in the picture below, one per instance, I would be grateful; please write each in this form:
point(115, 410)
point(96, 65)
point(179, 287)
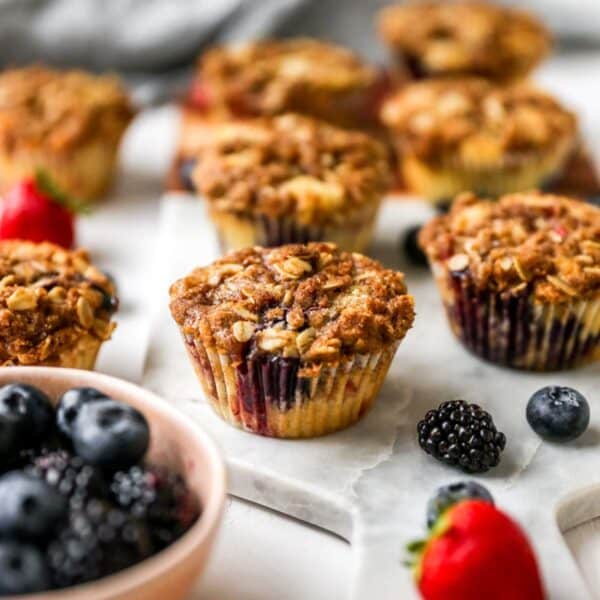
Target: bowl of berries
point(106, 492)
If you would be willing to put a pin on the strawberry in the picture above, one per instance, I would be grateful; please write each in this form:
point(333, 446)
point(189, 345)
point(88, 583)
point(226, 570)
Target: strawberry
point(35, 210)
point(475, 551)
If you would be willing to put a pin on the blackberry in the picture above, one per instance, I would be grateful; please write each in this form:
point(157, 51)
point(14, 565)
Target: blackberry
point(159, 497)
point(462, 435)
point(71, 476)
point(98, 540)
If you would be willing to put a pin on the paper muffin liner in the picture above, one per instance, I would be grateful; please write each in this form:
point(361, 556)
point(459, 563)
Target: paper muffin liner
point(353, 235)
point(516, 331)
point(270, 395)
point(442, 181)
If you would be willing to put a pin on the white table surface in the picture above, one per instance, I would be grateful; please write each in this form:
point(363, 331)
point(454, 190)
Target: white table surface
point(260, 555)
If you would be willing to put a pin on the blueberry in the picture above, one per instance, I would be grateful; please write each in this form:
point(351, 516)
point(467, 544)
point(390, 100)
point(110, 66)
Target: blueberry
point(411, 247)
point(448, 495)
point(30, 407)
point(22, 569)
point(11, 441)
point(558, 414)
point(110, 435)
point(69, 406)
point(29, 508)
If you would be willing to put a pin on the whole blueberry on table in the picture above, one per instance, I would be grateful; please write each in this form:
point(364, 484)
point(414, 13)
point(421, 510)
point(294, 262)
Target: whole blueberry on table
point(462, 435)
point(448, 495)
point(70, 404)
point(30, 509)
point(30, 407)
point(410, 245)
point(110, 435)
point(558, 414)
point(22, 569)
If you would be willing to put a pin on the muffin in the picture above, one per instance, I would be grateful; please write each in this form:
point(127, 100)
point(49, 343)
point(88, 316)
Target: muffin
point(520, 278)
point(68, 123)
point(293, 341)
point(462, 135)
point(292, 179)
point(442, 38)
point(272, 77)
point(55, 306)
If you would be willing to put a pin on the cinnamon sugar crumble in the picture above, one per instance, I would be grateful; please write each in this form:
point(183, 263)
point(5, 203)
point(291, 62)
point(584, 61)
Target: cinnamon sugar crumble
point(275, 76)
point(49, 299)
point(310, 301)
point(473, 120)
point(291, 165)
point(551, 243)
point(465, 36)
point(59, 110)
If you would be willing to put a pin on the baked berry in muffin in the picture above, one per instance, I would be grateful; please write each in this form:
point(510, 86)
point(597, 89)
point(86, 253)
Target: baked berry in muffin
point(272, 77)
point(463, 37)
point(68, 123)
point(291, 178)
point(293, 341)
point(469, 135)
point(520, 278)
point(55, 306)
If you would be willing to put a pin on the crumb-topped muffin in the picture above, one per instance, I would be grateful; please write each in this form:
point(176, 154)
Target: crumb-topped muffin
point(520, 277)
point(68, 123)
point(292, 341)
point(55, 306)
point(463, 37)
point(469, 135)
point(292, 179)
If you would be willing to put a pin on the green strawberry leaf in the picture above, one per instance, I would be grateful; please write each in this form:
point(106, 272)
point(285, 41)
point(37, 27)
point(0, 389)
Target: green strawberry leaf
point(47, 185)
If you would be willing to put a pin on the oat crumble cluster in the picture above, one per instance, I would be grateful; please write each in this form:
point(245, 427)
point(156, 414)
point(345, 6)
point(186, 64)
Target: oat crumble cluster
point(291, 165)
point(309, 301)
point(550, 244)
point(59, 110)
point(465, 37)
point(49, 299)
point(271, 77)
point(473, 121)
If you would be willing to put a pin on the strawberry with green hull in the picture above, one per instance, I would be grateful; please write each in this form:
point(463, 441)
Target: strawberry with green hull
point(475, 551)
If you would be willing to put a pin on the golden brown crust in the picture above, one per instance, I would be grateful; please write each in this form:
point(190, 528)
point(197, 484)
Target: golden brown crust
point(548, 243)
point(50, 298)
point(303, 300)
point(465, 37)
point(59, 111)
point(295, 75)
point(473, 121)
point(291, 165)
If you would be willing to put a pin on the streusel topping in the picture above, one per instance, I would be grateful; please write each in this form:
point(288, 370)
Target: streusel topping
point(475, 121)
point(291, 165)
point(311, 301)
point(550, 244)
point(49, 298)
point(59, 110)
point(465, 37)
point(263, 78)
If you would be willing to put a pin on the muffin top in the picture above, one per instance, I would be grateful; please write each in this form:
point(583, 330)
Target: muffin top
point(549, 245)
point(471, 120)
point(465, 38)
point(310, 301)
point(49, 298)
point(59, 110)
point(291, 165)
point(263, 78)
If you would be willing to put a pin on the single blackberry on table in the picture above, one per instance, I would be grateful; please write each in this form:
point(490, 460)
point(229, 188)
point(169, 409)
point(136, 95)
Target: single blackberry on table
point(462, 435)
point(98, 540)
point(159, 497)
point(71, 476)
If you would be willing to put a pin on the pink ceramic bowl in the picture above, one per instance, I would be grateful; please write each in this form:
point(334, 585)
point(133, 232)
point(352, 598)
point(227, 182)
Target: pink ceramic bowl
point(174, 443)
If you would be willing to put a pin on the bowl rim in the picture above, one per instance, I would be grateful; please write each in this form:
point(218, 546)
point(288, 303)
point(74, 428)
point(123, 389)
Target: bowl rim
point(128, 580)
